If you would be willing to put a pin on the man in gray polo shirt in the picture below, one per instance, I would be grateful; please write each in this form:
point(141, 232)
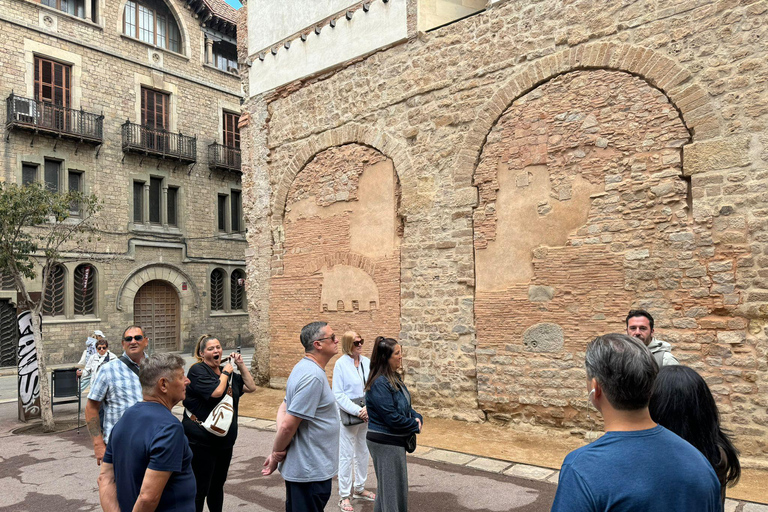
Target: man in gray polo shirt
point(306, 445)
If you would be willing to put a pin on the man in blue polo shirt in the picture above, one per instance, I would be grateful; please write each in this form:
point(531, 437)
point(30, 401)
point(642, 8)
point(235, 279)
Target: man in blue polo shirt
point(115, 388)
point(637, 465)
point(148, 463)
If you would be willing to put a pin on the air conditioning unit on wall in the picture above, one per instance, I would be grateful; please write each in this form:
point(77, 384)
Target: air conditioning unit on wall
point(24, 110)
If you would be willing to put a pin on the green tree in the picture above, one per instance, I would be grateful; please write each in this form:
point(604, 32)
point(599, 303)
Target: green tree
point(35, 225)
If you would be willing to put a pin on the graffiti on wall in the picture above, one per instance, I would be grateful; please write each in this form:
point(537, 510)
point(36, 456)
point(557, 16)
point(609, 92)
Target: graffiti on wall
point(29, 377)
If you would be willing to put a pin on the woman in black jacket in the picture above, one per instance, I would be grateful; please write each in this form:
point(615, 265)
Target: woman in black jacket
point(391, 422)
point(209, 382)
point(682, 402)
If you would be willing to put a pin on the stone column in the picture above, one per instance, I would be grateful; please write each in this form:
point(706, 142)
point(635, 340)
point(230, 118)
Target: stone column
point(89, 10)
point(145, 213)
point(164, 206)
point(209, 51)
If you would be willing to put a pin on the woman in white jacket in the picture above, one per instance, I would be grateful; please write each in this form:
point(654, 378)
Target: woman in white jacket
point(349, 375)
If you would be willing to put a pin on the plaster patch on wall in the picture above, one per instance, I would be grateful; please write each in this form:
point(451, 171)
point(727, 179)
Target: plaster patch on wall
point(347, 288)
point(508, 259)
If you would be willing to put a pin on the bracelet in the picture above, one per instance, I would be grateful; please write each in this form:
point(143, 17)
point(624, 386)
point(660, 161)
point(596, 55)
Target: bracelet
point(225, 372)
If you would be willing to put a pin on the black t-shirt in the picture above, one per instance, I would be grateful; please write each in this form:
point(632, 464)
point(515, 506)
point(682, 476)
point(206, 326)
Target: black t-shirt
point(203, 381)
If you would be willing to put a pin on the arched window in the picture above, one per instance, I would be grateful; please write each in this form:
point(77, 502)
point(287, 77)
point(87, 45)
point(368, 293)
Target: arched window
point(7, 282)
point(217, 290)
point(85, 289)
point(53, 305)
point(237, 290)
point(152, 22)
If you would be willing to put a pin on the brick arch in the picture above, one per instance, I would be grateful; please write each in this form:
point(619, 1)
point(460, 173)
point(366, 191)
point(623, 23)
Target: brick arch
point(387, 145)
point(160, 271)
point(665, 74)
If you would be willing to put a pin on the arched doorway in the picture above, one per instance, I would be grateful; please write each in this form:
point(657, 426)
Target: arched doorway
point(156, 309)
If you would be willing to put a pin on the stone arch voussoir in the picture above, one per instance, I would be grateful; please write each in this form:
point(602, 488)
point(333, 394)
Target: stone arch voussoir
point(157, 271)
point(658, 70)
point(389, 146)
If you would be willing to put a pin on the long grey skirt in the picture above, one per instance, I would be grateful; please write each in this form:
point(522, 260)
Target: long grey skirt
point(392, 477)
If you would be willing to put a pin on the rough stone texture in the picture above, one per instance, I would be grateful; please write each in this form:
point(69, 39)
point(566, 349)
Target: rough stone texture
point(108, 67)
point(543, 337)
point(473, 111)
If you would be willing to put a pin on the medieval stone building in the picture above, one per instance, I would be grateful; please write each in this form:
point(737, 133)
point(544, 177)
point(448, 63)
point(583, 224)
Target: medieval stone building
point(138, 103)
point(496, 184)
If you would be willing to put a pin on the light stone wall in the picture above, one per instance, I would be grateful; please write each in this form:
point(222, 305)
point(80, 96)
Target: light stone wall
point(108, 69)
point(683, 236)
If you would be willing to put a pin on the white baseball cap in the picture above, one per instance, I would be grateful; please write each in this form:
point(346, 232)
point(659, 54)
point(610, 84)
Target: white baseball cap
point(98, 333)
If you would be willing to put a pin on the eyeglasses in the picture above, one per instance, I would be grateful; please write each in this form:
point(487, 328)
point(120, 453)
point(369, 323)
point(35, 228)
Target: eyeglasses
point(331, 337)
point(101, 347)
point(358, 343)
point(138, 337)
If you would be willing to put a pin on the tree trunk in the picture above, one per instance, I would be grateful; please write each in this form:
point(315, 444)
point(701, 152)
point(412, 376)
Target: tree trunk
point(46, 411)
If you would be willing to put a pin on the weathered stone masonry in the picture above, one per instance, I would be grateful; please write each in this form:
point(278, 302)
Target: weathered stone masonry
point(558, 164)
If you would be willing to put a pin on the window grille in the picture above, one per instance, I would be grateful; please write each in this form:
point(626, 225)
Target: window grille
point(237, 290)
point(217, 290)
point(9, 329)
point(53, 305)
point(6, 282)
point(85, 290)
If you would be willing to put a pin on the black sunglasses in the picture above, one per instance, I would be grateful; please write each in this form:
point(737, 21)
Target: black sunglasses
point(358, 343)
point(331, 337)
point(138, 337)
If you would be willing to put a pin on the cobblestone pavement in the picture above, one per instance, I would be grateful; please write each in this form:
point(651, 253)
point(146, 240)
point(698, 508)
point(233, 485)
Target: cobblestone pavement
point(58, 472)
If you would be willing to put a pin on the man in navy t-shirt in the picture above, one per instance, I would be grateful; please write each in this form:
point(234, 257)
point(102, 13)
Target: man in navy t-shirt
point(148, 463)
point(637, 465)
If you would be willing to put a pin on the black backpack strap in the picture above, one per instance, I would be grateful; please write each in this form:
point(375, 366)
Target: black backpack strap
point(130, 364)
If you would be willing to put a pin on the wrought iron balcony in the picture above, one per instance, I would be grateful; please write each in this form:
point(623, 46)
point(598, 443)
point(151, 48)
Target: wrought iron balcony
point(147, 141)
point(223, 157)
point(41, 116)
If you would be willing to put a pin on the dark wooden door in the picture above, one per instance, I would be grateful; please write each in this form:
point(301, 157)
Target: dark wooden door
point(154, 117)
point(8, 334)
point(156, 310)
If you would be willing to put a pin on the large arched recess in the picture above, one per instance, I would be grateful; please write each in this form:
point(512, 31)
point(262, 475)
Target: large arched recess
point(581, 204)
point(658, 70)
point(337, 245)
point(181, 22)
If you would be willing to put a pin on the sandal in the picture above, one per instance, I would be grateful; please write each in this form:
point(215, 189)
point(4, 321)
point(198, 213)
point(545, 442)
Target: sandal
point(364, 495)
point(346, 507)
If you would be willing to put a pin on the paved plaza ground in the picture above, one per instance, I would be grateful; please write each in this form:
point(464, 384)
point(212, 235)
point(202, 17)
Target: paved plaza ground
point(458, 467)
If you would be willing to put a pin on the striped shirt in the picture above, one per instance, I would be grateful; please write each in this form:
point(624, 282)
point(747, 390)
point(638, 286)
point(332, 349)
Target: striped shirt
point(117, 388)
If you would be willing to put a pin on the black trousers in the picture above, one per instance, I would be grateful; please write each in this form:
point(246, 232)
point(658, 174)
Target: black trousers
point(210, 466)
point(307, 496)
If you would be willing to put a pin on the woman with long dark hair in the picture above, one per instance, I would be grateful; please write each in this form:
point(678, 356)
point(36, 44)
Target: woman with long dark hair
point(391, 422)
point(682, 402)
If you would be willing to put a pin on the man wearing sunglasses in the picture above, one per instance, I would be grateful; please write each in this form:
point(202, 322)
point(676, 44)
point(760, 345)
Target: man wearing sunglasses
point(115, 388)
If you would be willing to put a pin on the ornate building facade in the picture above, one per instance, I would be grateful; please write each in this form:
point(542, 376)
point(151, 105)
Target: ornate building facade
point(137, 102)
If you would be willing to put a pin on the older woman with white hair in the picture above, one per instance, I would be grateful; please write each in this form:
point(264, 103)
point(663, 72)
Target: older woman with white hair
point(349, 375)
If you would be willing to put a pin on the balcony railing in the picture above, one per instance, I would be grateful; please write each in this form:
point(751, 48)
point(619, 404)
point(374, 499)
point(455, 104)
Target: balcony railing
point(140, 139)
point(41, 116)
point(223, 157)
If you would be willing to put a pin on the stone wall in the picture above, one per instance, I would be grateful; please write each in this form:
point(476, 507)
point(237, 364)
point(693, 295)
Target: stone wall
point(559, 164)
point(108, 71)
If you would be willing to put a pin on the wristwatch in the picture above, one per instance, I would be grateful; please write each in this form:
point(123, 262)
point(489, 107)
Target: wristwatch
point(225, 372)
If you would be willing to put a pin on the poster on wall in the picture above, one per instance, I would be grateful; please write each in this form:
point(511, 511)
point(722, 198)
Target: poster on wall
point(29, 376)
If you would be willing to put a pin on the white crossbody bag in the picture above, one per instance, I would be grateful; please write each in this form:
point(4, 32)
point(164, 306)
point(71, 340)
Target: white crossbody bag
point(220, 419)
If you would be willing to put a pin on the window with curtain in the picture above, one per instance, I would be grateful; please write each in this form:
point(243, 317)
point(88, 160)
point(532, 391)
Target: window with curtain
point(153, 23)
